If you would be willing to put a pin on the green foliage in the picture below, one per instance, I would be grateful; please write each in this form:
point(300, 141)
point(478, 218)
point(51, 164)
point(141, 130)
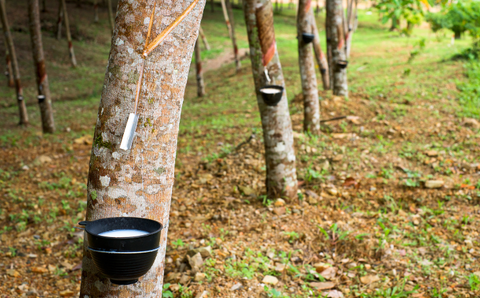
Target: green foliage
point(166, 293)
point(470, 91)
point(395, 10)
point(460, 17)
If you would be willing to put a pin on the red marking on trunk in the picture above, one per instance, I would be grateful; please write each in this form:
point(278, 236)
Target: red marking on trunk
point(341, 42)
point(235, 50)
point(267, 57)
point(228, 23)
point(308, 4)
point(70, 45)
point(199, 68)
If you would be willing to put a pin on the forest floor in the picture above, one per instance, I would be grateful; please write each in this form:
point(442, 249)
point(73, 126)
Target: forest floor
point(388, 197)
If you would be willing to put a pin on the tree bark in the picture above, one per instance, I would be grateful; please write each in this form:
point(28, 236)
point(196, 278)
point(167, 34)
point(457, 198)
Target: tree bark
point(337, 44)
point(69, 36)
point(320, 56)
point(212, 5)
point(16, 71)
point(44, 98)
point(95, 9)
point(110, 15)
point(139, 182)
point(198, 66)
point(59, 19)
point(8, 69)
point(352, 19)
point(277, 128)
point(44, 6)
point(204, 39)
point(227, 13)
point(329, 48)
point(311, 121)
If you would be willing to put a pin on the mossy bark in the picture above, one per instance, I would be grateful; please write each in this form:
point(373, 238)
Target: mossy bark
point(139, 182)
point(281, 177)
point(43, 88)
point(311, 121)
point(16, 71)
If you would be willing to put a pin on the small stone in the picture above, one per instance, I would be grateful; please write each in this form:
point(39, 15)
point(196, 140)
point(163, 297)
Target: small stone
point(200, 276)
point(268, 279)
point(279, 211)
point(279, 267)
point(66, 293)
point(32, 256)
point(196, 261)
point(203, 294)
point(42, 159)
point(25, 168)
point(312, 201)
point(332, 191)
point(434, 184)
point(184, 279)
point(236, 287)
point(431, 153)
point(247, 190)
point(205, 252)
point(279, 203)
point(322, 285)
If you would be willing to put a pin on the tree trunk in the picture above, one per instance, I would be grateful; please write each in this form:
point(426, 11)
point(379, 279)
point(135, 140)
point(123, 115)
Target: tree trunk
point(320, 56)
point(457, 34)
point(212, 5)
point(139, 182)
point(317, 8)
point(337, 43)
point(204, 39)
point(227, 9)
point(277, 128)
point(352, 19)
point(69, 36)
point(8, 69)
point(198, 66)
point(395, 24)
point(44, 6)
point(60, 19)
point(44, 98)
point(95, 9)
point(329, 49)
point(16, 71)
point(110, 15)
point(311, 121)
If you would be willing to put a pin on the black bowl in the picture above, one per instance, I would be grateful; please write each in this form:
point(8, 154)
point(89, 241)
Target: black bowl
point(123, 244)
point(307, 37)
point(342, 64)
point(272, 99)
point(123, 259)
point(123, 268)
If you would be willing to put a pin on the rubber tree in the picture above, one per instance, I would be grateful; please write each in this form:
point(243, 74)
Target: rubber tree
point(311, 105)
point(198, 68)
point(16, 71)
point(44, 98)
point(204, 39)
point(111, 19)
point(8, 69)
point(59, 19)
point(139, 182)
point(352, 19)
point(227, 13)
point(319, 55)
point(95, 10)
point(281, 177)
point(336, 40)
point(69, 36)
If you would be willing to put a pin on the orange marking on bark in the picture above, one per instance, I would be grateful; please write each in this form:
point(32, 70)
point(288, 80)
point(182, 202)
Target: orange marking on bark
point(268, 56)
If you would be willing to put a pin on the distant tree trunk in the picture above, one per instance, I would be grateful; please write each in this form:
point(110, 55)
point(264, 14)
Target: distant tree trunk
point(329, 48)
point(59, 19)
point(44, 98)
point(226, 7)
point(337, 43)
point(311, 121)
point(352, 18)
point(95, 9)
point(204, 39)
point(44, 6)
point(320, 56)
point(139, 182)
point(8, 68)
point(281, 177)
point(317, 8)
point(212, 5)
point(198, 66)
point(457, 34)
point(110, 15)
point(395, 24)
point(79, 3)
point(16, 71)
point(69, 36)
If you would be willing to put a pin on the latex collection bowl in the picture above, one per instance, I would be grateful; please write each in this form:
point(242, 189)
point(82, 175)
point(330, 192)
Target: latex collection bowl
point(272, 99)
point(307, 37)
point(342, 64)
point(123, 259)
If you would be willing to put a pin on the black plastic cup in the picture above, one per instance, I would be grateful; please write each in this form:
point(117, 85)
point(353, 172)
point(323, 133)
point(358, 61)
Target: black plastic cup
point(342, 64)
point(272, 99)
point(123, 259)
point(307, 37)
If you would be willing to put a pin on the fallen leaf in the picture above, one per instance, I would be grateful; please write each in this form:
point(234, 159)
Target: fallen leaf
point(368, 279)
point(322, 285)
